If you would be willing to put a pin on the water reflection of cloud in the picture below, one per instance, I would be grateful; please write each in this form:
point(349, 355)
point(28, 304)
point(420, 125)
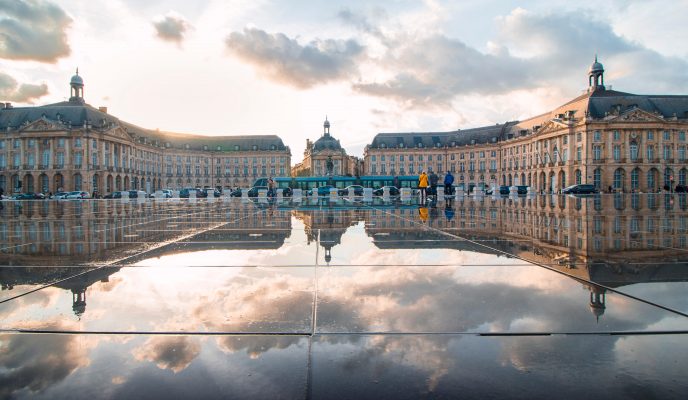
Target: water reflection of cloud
point(169, 352)
point(35, 363)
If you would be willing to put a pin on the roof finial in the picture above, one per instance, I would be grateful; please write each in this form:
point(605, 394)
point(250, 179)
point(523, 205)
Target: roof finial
point(77, 70)
point(595, 57)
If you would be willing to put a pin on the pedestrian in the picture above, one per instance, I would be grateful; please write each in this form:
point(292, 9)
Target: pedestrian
point(433, 183)
point(271, 187)
point(395, 183)
point(423, 186)
point(448, 181)
point(423, 214)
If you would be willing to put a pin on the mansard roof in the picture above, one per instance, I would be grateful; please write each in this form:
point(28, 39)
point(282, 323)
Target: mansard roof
point(596, 105)
point(75, 114)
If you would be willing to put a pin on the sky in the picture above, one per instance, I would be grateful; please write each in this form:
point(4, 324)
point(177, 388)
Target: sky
point(245, 67)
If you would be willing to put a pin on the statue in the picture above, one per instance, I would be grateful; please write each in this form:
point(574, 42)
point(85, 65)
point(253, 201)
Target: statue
point(329, 165)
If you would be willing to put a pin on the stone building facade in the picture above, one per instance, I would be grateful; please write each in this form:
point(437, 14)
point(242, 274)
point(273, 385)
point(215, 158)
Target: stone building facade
point(317, 154)
point(629, 142)
point(74, 146)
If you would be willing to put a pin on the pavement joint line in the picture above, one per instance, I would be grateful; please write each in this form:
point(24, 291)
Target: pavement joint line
point(536, 263)
point(319, 334)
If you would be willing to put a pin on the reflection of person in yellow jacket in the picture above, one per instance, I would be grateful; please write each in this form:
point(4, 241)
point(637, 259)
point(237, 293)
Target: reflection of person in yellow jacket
point(422, 186)
point(423, 213)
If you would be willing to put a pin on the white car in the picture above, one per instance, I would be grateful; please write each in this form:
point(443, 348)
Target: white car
point(77, 195)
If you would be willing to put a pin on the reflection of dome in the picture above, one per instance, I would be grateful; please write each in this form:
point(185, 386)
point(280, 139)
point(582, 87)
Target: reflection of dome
point(596, 66)
point(597, 301)
point(327, 143)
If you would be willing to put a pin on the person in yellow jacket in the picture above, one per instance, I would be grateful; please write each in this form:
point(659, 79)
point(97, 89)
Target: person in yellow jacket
point(423, 185)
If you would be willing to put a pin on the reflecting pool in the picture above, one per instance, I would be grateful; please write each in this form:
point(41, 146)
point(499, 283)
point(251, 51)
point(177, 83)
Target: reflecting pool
point(215, 298)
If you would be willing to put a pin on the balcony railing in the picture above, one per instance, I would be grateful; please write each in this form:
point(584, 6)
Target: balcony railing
point(58, 166)
point(27, 166)
point(43, 166)
point(598, 161)
point(77, 166)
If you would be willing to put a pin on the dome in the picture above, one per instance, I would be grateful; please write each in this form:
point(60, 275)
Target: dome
point(327, 143)
point(596, 66)
point(76, 79)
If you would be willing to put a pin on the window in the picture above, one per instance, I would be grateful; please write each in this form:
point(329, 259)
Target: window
point(16, 143)
point(2, 144)
point(650, 153)
point(579, 151)
point(597, 178)
point(579, 177)
point(617, 135)
point(618, 178)
point(667, 152)
point(667, 135)
point(95, 144)
point(682, 136)
point(579, 137)
point(633, 151)
point(46, 157)
point(650, 135)
point(682, 153)
point(617, 152)
point(596, 152)
point(597, 136)
point(635, 179)
point(651, 180)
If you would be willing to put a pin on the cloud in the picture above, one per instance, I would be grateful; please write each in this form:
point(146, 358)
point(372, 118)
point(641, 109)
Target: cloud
point(530, 51)
point(172, 27)
point(284, 60)
point(11, 90)
point(33, 30)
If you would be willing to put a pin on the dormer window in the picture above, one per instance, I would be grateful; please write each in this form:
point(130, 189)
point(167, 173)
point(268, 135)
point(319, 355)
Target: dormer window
point(167, 145)
point(401, 145)
point(273, 147)
point(382, 145)
point(472, 141)
point(219, 148)
point(186, 146)
point(420, 144)
point(255, 147)
point(205, 147)
point(438, 144)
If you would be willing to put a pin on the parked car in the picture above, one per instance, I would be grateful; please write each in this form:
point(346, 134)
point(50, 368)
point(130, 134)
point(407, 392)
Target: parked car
point(166, 194)
point(347, 191)
point(322, 190)
point(113, 195)
point(235, 193)
point(59, 195)
point(393, 191)
point(253, 192)
point(522, 189)
point(580, 189)
point(504, 190)
point(77, 195)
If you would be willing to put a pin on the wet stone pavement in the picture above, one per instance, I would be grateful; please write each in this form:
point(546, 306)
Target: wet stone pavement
point(225, 298)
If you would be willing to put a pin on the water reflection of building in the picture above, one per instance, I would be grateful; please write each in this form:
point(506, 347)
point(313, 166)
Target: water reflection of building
point(609, 240)
point(328, 225)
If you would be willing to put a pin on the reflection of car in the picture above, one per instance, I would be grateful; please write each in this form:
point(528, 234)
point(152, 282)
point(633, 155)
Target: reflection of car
point(59, 195)
point(200, 193)
point(113, 195)
point(393, 191)
point(28, 196)
point(136, 194)
point(504, 190)
point(580, 189)
point(77, 195)
point(235, 193)
point(347, 191)
point(322, 190)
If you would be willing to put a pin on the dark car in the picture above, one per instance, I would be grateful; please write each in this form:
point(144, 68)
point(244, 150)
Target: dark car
point(29, 196)
point(113, 195)
point(235, 193)
point(356, 190)
point(253, 192)
point(580, 189)
point(393, 191)
point(522, 189)
point(322, 190)
point(504, 190)
point(185, 193)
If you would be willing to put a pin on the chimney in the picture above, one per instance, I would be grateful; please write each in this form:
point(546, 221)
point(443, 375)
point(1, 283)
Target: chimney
point(102, 109)
point(8, 106)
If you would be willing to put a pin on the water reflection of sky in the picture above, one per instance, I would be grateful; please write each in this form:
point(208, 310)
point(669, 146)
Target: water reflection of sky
point(290, 302)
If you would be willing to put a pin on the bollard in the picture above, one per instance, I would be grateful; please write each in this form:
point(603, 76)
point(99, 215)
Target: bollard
point(405, 193)
point(296, 195)
point(262, 194)
point(279, 194)
point(367, 194)
point(334, 193)
point(314, 193)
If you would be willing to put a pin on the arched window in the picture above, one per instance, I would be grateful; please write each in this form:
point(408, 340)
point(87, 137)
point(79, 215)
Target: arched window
point(668, 176)
point(682, 177)
point(77, 182)
point(579, 177)
point(652, 180)
point(618, 178)
point(635, 179)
